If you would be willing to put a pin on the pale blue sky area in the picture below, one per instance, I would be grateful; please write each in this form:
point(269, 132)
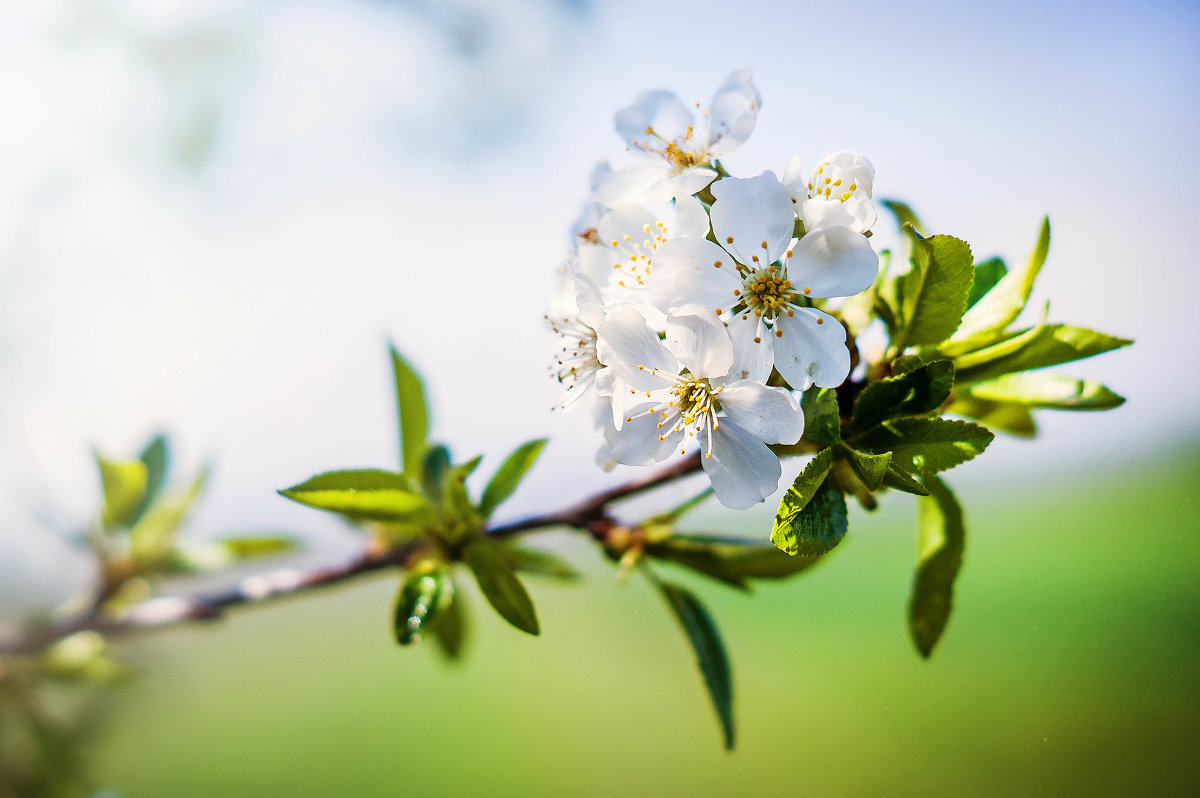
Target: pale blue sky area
point(213, 214)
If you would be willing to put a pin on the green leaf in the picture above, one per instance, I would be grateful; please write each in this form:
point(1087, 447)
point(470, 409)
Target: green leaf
point(152, 538)
point(198, 556)
point(987, 347)
point(246, 548)
point(156, 459)
point(451, 629)
point(915, 392)
point(787, 529)
point(1000, 307)
point(940, 539)
point(413, 413)
point(895, 478)
point(811, 519)
point(1052, 345)
point(1012, 419)
point(904, 215)
point(466, 469)
point(870, 468)
point(822, 422)
point(1038, 389)
point(124, 485)
point(362, 495)
point(509, 475)
point(733, 561)
point(538, 563)
point(435, 470)
point(928, 445)
point(709, 649)
point(425, 590)
point(987, 274)
point(935, 290)
point(500, 586)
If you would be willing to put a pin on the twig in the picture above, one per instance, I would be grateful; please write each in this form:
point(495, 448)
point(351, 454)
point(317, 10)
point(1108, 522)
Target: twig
point(589, 515)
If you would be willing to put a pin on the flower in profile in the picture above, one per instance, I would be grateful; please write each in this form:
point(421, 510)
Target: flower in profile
point(761, 284)
point(836, 194)
point(683, 149)
point(686, 391)
point(579, 309)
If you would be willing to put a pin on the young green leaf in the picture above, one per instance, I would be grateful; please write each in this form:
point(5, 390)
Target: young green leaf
point(709, 649)
point(425, 590)
point(152, 538)
point(927, 445)
point(940, 539)
point(362, 495)
point(904, 215)
point(935, 290)
point(912, 393)
point(156, 459)
point(434, 473)
point(1000, 306)
point(987, 274)
point(787, 524)
point(678, 511)
point(413, 414)
point(822, 423)
point(870, 468)
point(1052, 345)
point(811, 519)
point(1009, 418)
point(500, 585)
point(124, 485)
point(509, 475)
point(1038, 389)
point(450, 631)
point(895, 478)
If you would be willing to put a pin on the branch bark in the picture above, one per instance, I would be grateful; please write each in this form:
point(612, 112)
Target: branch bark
point(590, 515)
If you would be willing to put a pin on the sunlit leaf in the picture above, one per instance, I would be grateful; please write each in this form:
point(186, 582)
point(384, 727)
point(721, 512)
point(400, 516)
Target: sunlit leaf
point(927, 445)
point(500, 586)
point(935, 290)
point(1038, 389)
point(987, 274)
point(999, 416)
point(915, 392)
point(153, 536)
point(940, 540)
point(124, 484)
point(822, 422)
point(709, 649)
point(787, 531)
point(413, 414)
point(156, 458)
point(1000, 306)
point(509, 475)
point(1053, 344)
point(362, 495)
point(870, 468)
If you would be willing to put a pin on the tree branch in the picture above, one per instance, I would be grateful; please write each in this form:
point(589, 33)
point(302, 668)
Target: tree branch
point(590, 515)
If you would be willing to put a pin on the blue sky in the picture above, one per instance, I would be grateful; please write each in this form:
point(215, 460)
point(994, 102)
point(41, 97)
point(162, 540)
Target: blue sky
point(214, 214)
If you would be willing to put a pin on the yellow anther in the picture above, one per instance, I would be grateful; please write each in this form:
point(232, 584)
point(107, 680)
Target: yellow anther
point(641, 368)
point(837, 182)
point(764, 245)
point(716, 264)
point(627, 237)
point(807, 291)
point(649, 131)
point(728, 239)
point(791, 313)
point(779, 333)
point(757, 340)
point(819, 321)
point(789, 253)
point(719, 311)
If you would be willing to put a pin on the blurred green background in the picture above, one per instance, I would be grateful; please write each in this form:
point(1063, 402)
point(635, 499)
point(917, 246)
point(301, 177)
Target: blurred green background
point(1069, 668)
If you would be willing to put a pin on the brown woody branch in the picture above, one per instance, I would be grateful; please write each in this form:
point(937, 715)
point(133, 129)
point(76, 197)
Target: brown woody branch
point(590, 515)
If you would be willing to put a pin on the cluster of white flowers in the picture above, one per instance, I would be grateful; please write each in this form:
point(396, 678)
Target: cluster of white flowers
point(686, 307)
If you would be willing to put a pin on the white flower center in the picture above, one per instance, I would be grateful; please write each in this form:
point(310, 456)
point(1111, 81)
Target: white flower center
point(634, 257)
point(691, 408)
point(833, 182)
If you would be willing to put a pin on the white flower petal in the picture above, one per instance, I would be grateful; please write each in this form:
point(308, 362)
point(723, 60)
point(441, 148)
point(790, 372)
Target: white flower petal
point(588, 300)
point(794, 180)
point(811, 350)
point(856, 213)
point(698, 338)
point(733, 113)
point(627, 185)
point(637, 442)
point(833, 261)
point(624, 342)
point(659, 110)
point(752, 360)
point(684, 184)
point(686, 271)
point(749, 212)
point(690, 219)
point(743, 471)
point(771, 415)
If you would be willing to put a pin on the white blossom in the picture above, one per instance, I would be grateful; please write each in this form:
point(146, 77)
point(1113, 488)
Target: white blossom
point(686, 392)
point(683, 149)
point(760, 283)
point(836, 194)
